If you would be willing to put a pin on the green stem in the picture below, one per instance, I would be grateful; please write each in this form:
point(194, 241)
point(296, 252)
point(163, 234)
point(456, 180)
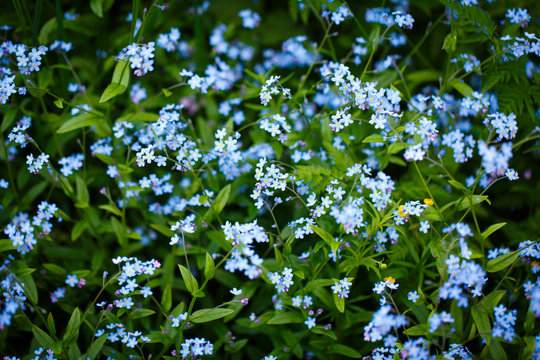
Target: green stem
point(302, 83)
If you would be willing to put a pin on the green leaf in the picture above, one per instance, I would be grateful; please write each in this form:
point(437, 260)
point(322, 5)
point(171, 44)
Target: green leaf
point(50, 324)
point(106, 159)
point(462, 87)
point(139, 117)
point(134, 16)
point(55, 269)
point(72, 329)
point(450, 42)
point(166, 92)
point(166, 299)
point(502, 262)
point(219, 238)
point(30, 288)
point(493, 298)
point(206, 315)
point(318, 283)
point(8, 118)
point(83, 198)
point(111, 91)
point(111, 208)
point(119, 83)
point(46, 29)
point(203, 199)
point(121, 74)
point(344, 350)
point(191, 283)
point(322, 331)
point(209, 267)
point(467, 202)
point(490, 230)
point(97, 7)
point(329, 239)
point(95, 348)
point(481, 319)
point(222, 198)
point(417, 330)
point(340, 303)
point(58, 103)
point(375, 138)
point(459, 186)
point(78, 229)
point(162, 229)
point(286, 318)
point(432, 214)
point(42, 337)
point(119, 232)
point(6, 245)
point(396, 147)
point(496, 349)
point(80, 121)
point(140, 313)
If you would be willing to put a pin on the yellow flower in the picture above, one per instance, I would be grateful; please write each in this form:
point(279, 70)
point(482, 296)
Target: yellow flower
point(391, 279)
point(428, 202)
point(401, 211)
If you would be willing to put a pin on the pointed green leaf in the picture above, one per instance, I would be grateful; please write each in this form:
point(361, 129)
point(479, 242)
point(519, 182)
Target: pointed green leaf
point(80, 121)
point(140, 313)
point(111, 91)
point(166, 299)
point(42, 337)
point(58, 103)
point(50, 324)
point(97, 7)
point(191, 283)
point(121, 73)
point(78, 229)
point(481, 319)
point(463, 88)
point(95, 348)
point(328, 239)
point(72, 329)
point(206, 315)
point(286, 318)
point(502, 262)
point(344, 350)
point(490, 230)
point(222, 198)
point(375, 138)
point(111, 208)
point(340, 303)
point(30, 288)
point(209, 267)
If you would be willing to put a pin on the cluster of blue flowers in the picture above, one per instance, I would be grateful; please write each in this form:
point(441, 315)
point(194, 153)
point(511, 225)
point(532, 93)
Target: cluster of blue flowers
point(195, 347)
point(250, 19)
point(463, 275)
point(131, 268)
point(21, 230)
point(504, 322)
point(71, 163)
point(171, 42)
point(117, 332)
point(436, 320)
point(14, 298)
point(243, 257)
point(140, 57)
point(382, 323)
point(282, 281)
point(342, 288)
